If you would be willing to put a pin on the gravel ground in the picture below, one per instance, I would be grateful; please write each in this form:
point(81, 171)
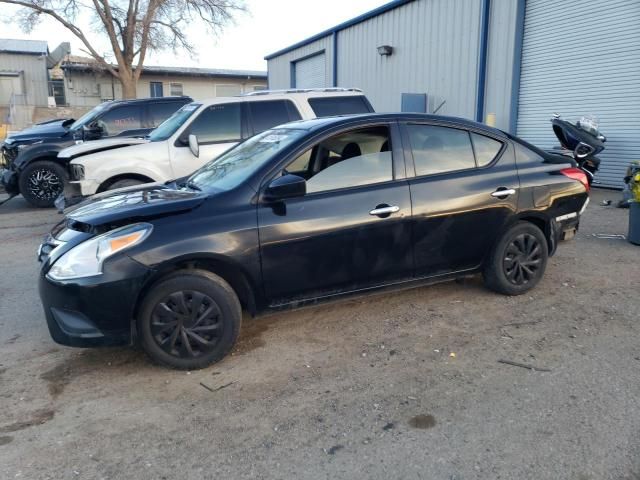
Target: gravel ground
point(402, 385)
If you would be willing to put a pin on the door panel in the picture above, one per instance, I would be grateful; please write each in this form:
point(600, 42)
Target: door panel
point(456, 219)
point(325, 243)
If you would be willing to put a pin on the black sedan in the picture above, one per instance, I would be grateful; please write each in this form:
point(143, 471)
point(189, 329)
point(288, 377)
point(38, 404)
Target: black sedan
point(305, 212)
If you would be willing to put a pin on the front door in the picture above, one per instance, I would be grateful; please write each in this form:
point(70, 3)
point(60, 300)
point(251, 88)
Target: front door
point(465, 188)
point(218, 128)
point(352, 228)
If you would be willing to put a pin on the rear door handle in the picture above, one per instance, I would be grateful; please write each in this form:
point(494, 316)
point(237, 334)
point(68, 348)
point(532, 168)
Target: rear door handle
point(384, 210)
point(503, 192)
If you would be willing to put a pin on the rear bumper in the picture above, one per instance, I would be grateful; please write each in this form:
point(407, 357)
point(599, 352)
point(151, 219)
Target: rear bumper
point(94, 311)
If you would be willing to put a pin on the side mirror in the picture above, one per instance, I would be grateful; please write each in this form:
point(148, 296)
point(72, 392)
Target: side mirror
point(193, 145)
point(287, 186)
point(92, 131)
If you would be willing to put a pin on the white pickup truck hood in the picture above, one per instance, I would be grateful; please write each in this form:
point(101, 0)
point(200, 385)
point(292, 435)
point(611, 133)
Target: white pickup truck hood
point(95, 146)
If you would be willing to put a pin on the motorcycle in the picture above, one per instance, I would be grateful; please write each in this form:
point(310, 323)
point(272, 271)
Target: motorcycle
point(582, 141)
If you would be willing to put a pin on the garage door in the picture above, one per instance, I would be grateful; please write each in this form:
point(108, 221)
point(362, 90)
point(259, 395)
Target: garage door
point(310, 72)
point(580, 57)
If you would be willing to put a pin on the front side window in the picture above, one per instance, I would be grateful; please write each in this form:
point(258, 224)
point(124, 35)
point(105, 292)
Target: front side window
point(173, 123)
point(440, 149)
point(268, 114)
point(218, 124)
point(360, 157)
point(339, 105)
point(238, 164)
point(121, 119)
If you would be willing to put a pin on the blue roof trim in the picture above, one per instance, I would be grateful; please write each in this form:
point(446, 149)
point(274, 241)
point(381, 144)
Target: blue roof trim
point(349, 23)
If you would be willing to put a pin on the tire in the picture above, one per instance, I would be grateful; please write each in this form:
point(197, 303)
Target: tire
point(125, 182)
point(518, 260)
point(42, 182)
point(189, 342)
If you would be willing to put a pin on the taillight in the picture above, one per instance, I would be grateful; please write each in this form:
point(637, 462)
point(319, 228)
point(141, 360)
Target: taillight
point(576, 174)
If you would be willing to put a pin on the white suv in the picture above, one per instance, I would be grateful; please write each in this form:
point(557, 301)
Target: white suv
point(198, 133)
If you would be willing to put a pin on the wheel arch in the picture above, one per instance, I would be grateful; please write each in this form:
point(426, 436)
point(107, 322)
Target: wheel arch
point(544, 223)
point(124, 176)
point(227, 269)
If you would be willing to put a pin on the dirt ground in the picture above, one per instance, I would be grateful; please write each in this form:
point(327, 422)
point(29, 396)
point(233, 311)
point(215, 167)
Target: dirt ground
point(366, 388)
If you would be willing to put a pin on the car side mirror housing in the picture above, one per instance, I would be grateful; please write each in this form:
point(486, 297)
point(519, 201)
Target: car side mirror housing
point(92, 131)
point(286, 186)
point(193, 145)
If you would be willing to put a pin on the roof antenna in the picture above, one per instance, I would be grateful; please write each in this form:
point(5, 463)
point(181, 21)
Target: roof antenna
point(439, 107)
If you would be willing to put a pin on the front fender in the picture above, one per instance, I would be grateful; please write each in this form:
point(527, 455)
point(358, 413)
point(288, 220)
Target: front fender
point(33, 153)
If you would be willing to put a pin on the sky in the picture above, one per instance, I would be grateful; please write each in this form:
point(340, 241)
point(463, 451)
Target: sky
point(268, 26)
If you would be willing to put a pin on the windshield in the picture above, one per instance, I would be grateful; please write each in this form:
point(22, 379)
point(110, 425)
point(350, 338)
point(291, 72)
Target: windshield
point(173, 123)
point(239, 163)
point(90, 116)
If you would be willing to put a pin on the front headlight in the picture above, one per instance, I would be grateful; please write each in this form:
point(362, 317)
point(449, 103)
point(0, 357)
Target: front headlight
point(86, 259)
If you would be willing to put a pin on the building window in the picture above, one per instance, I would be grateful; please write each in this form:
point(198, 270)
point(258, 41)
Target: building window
point(228, 90)
point(257, 88)
point(176, 89)
point(155, 89)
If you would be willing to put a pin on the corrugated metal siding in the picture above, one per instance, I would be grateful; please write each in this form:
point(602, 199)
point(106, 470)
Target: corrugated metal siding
point(280, 67)
point(34, 75)
point(581, 57)
point(502, 25)
point(435, 52)
point(310, 72)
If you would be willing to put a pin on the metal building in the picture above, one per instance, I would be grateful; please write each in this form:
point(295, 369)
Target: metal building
point(511, 63)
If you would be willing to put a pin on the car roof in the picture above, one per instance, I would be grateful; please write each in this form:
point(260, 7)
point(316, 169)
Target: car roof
point(264, 95)
point(183, 99)
point(337, 121)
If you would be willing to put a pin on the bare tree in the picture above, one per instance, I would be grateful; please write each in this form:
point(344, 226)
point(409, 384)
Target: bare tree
point(133, 28)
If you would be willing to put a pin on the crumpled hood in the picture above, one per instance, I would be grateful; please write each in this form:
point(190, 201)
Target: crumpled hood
point(53, 129)
point(133, 204)
point(95, 146)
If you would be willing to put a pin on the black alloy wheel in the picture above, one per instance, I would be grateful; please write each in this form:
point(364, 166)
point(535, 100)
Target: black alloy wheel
point(45, 184)
point(523, 259)
point(517, 261)
point(189, 319)
point(187, 324)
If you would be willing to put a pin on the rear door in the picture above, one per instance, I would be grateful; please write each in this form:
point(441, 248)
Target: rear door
point(464, 188)
point(351, 230)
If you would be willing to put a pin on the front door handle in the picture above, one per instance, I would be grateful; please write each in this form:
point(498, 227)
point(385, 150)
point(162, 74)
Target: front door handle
point(384, 210)
point(503, 192)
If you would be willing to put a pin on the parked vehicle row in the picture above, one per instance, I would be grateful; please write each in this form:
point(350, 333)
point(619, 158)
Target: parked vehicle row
point(300, 213)
point(34, 167)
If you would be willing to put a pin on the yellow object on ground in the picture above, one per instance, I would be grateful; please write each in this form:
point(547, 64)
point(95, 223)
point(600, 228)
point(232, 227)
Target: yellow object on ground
point(3, 131)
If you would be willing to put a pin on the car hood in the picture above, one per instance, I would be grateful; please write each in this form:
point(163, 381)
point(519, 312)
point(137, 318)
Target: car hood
point(133, 204)
point(96, 146)
point(55, 129)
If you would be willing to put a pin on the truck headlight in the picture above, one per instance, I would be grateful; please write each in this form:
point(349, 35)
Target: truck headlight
point(86, 259)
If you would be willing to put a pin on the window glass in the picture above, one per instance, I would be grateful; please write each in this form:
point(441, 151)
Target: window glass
point(344, 105)
point(155, 89)
point(121, 119)
point(526, 156)
point(173, 123)
point(440, 149)
point(486, 149)
point(176, 89)
point(159, 112)
point(360, 157)
point(266, 115)
point(218, 123)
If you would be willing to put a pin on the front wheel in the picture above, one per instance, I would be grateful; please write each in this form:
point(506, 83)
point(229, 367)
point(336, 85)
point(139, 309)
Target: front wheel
point(518, 261)
point(42, 182)
point(189, 320)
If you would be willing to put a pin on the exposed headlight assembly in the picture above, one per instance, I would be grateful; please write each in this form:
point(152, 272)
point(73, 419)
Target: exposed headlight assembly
point(86, 259)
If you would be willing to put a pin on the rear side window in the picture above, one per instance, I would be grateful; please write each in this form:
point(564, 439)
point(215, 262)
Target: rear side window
point(440, 149)
point(218, 123)
point(345, 105)
point(485, 148)
point(526, 156)
point(121, 119)
point(268, 114)
point(159, 112)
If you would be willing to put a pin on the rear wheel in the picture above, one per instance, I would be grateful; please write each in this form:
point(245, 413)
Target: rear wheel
point(42, 182)
point(190, 320)
point(518, 261)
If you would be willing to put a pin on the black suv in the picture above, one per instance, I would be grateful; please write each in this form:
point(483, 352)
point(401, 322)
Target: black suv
point(308, 211)
point(30, 156)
